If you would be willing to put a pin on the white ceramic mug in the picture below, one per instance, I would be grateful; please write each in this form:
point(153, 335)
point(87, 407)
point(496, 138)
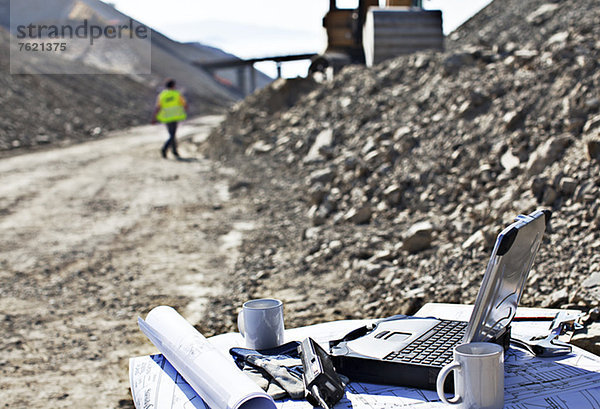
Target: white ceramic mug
point(478, 376)
point(261, 323)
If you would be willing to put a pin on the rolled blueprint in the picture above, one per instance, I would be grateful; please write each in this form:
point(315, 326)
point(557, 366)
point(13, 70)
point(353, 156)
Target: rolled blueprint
point(213, 376)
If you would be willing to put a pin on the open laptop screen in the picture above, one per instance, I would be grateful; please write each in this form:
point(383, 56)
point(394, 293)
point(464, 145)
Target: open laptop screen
point(505, 276)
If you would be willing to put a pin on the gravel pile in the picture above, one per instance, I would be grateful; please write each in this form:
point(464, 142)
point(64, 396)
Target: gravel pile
point(385, 188)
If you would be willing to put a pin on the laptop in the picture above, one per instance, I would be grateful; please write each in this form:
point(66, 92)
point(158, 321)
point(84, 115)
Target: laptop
point(410, 351)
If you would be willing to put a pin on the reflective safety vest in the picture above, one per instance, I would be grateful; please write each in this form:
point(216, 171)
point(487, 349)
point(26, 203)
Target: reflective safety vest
point(171, 106)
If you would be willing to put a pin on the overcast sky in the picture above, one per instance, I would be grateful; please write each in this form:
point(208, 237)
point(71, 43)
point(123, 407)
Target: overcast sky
point(255, 28)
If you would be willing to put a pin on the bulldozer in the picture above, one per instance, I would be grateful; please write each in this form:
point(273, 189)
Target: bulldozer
point(369, 34)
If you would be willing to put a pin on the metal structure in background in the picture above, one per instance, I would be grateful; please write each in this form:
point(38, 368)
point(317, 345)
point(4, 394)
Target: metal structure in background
point(243, 65)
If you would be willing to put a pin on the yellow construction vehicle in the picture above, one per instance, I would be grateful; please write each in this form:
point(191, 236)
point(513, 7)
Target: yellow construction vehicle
point(369, 34)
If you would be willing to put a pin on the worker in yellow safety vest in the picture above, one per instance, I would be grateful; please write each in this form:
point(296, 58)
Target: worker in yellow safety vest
point(171, 108)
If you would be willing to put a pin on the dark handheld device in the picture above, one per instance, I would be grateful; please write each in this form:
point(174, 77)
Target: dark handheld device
point(323, 386)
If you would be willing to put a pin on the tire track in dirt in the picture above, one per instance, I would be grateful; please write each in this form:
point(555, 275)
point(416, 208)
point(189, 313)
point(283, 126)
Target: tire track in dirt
point(93, 236)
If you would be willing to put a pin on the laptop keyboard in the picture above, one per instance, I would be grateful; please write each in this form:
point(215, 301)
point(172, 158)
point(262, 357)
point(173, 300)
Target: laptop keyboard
point(433, 348)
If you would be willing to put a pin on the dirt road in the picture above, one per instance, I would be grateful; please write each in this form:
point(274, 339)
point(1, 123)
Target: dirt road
point(92, 236)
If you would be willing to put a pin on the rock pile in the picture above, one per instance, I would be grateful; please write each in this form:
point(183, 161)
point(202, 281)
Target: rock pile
point(395, 180)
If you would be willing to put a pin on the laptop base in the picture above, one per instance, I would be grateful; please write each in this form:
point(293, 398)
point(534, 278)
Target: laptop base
point(399, 367)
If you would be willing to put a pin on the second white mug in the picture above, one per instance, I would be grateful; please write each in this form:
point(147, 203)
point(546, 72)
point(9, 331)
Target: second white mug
point(478, 376)
point(261, 323)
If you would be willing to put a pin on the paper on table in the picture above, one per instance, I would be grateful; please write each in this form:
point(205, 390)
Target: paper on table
point(156, 384)
point(213, 376)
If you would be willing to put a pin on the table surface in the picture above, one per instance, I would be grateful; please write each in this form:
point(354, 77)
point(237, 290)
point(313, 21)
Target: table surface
point(572, 381)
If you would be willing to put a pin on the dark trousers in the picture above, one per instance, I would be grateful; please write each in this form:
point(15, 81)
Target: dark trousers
point(172, 128)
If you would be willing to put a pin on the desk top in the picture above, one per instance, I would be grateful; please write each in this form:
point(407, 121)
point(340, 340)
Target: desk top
point(571, 381)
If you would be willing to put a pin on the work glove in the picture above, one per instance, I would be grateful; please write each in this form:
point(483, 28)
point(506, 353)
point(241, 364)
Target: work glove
point(277, 371)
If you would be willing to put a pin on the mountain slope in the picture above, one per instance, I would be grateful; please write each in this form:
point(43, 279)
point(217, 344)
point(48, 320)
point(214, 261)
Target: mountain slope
point(166, 59)
point(43, 109)
point(90, 104)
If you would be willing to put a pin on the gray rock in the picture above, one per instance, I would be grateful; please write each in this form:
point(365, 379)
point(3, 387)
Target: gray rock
point(477, 97)
point(567, 186)
point(318, 215)
point(401, 133)
point(476, 240)
point(372, 269)
point(556, 299)
point(323, 141)
point(317, 193)
point(512, 119)
point(465, 108)
point(373, 157)
point(592, 123)
point(335, 245)
point(582, 191)
point(350, 162)
point(258, 148)
point(525, 55)
point(509, 161)
point(592, 281)
point(42, 139)
point(456, 62)
point(550, 196)
point(418, 237)
point(312, 233)
point(558, 38)
point(393, 194)
point(323, 176)
point(359, 215)
point(406, 143)
point(592, 150)
point(592, 103)
point(542, 13)
point(547, 154)
point(368, 146)
point(383, 255)
point(538, 185)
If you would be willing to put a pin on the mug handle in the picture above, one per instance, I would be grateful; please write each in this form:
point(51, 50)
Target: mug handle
point(240, 323)
point(441, 379)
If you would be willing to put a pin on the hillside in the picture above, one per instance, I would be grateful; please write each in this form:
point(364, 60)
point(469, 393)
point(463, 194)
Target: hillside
point(168, 57)
point(65, 108)
point(395, 181)
point(41, 109)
